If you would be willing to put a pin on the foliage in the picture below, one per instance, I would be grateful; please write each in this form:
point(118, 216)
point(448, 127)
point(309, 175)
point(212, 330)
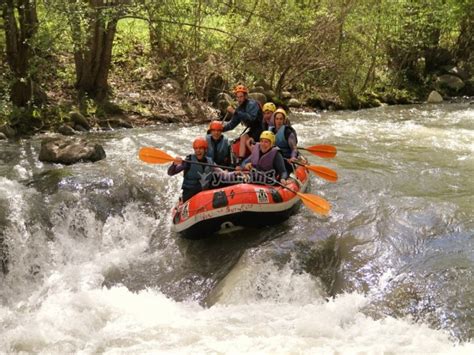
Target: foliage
point(285, 48)
point(420, 37)
point(354, 51)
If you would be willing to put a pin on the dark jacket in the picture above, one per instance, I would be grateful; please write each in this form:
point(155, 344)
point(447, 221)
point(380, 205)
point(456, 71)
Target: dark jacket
point(250, 114)
point(196, 177)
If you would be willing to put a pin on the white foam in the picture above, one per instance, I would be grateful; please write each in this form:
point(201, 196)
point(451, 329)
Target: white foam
point(258, 308)
point(117, 320)
point(262, 308)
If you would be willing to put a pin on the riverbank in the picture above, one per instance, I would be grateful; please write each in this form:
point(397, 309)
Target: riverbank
point(144, 103)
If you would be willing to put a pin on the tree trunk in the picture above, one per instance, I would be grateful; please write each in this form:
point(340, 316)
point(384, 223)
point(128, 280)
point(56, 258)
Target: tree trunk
point(465, 42)
point(93, 56)
point(196, 30)
point(373, 57)
point(21, 24)
point(94, 63)
point(156, 38)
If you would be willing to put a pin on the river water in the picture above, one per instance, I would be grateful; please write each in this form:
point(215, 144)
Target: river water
point(90, 265)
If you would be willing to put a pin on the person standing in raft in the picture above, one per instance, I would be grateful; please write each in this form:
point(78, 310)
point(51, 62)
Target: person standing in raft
point(268, 110)
point(267, 159)
point(286, 139)
point(218, 145)
point(196, 177)
point(249, 113)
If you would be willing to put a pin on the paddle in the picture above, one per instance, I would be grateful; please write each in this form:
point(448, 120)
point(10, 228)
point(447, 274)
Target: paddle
point(322, 150)
point(321, 171)
point(226, 117)
point(156, 156)
point(314, 203)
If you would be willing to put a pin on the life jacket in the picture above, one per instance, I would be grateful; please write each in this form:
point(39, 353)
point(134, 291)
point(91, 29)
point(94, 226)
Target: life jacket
point(197, 175)
point(262, 162)
point(281, 139)
point(221, 154)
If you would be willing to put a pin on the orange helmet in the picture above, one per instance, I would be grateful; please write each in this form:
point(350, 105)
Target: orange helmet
point(241, 88)
point(200, 142)
point(216, 126)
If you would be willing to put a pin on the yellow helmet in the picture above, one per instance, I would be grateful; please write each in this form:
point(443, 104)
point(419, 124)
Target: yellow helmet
point(269, 106)
point(268, 135)
point(282, 111)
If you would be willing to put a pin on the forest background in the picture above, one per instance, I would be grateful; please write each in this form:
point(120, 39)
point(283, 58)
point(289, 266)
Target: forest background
point(147, 61)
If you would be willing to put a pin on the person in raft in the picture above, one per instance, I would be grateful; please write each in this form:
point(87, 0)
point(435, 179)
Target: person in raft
point(266, 159)
point(196, 177)
point(218, 147)
point(286, 139)
point(268, 110)
point(249, 113)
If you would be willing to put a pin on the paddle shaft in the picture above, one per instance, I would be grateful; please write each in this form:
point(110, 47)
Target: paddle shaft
point(315, 203)
point(253, 169)
point(274, 180)
point(226, 117)
point(156, 156)
point(241, 134)
point(207, 164)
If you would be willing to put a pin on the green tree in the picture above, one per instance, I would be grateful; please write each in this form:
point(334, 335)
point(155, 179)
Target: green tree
point(93, 28)
point(20, 22)
point(281, 42)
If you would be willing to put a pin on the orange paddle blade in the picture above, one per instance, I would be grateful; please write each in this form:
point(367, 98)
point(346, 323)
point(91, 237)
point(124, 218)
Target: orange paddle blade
point(322, 171)
point(315, 203)
point(154, 156)
point(322, 150)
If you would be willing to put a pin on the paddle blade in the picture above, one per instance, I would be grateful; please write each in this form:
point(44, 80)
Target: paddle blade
point(315, 203)
point(323, 172)
point(322, 150)
point(154, 156)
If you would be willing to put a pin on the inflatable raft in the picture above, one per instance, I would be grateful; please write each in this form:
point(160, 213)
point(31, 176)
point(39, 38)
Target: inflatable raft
point(241, 205)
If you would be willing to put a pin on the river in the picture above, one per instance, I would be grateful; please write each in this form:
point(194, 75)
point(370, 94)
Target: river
point(90, 265)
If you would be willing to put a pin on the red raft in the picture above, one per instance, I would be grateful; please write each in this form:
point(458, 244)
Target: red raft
point(241, 205)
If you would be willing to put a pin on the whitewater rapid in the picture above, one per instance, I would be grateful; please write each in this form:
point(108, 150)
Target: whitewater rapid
point(93, 267)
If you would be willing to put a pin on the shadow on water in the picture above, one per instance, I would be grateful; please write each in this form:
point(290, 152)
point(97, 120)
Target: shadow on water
point(186, 269)
point(313, 252)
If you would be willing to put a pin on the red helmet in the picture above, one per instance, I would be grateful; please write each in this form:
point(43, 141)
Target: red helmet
point(241, 88)
point(200, 142)
point(216, 126)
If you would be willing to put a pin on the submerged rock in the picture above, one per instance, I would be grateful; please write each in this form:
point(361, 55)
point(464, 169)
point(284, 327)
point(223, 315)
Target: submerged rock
point(449, 82)
point(65, 150)
point(294, 103)
point(8, 131)
point(66, 130)
point(79, 120)
point(434, 98)
point(258, 97)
